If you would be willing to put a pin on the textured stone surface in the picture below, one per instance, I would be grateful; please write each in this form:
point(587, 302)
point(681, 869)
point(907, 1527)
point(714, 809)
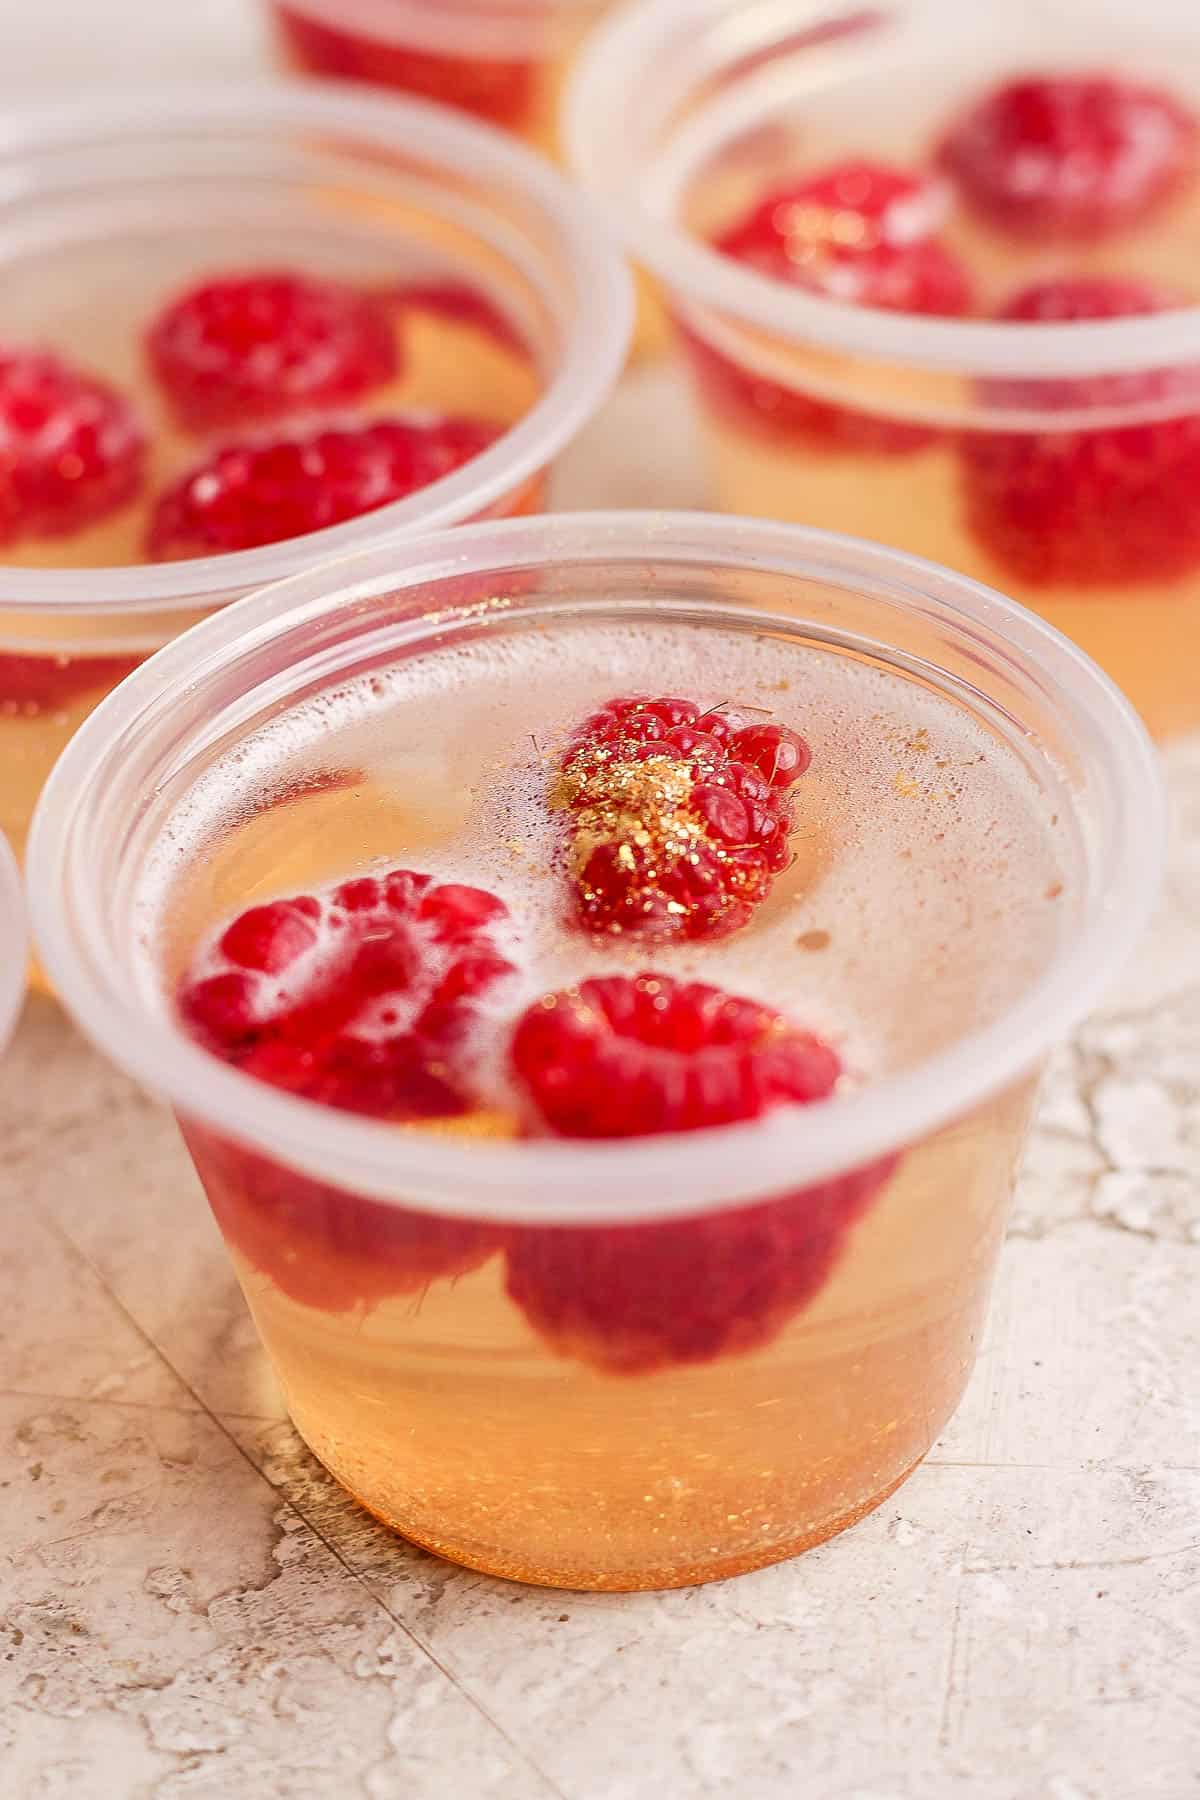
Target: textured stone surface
point(188, 1605)
point(191, 1610)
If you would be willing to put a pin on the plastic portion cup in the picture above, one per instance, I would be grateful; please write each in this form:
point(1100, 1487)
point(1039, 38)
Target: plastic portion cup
point(504, 61)
point(14, 942)
point(1010, 451)
point(392, 1272)
point(112, 205)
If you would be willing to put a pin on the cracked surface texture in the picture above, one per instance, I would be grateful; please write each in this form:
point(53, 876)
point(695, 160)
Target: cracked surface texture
point(191, 1610)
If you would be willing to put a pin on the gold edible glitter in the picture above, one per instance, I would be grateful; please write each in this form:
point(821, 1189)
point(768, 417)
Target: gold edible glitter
point(641, 808)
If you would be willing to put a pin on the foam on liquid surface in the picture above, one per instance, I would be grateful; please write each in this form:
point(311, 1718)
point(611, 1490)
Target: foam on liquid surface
point(928, 886)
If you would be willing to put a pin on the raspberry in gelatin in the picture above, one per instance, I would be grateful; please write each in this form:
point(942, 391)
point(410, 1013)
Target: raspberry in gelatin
point(1070, 156)
point(361, 998)
point(257, 346)
point(622, 1057)
point(267, 490)
point(72, 450)
point(676, 818)
point(861, 233)
point(489, 87)
point(30, 685)
point(1089, 505)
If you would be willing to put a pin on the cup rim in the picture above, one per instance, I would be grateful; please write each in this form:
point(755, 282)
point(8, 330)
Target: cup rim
point(14, 935)
point(633, 41)
point(595, 340)
point(684, 1173)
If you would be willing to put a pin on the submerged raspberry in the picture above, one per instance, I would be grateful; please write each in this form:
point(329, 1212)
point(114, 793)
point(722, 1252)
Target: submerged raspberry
point(677, 820)
point(263, 492)
point(256, 346)
point(619, 1058)
point(500, 90)
point(1072, 156)
point(1085, 506)
point(861, 233)
point(71, 448)
point(360, 998)
point(30, 685)
point(321, 1245)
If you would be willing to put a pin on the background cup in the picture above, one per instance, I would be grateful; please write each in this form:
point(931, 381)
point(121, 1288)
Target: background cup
point(885, 424)
point(106, 204)
point(504, 61)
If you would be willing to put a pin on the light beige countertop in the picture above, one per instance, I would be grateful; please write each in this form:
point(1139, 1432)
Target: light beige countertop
point(190, 1608)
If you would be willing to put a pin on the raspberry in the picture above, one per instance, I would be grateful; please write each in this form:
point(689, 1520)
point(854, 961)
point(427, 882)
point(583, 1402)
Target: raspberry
point(621, 1057)
point(490, 88)
point(359, 998)
point(257, 493)
point(46, 684)
point(257, 346)
point(323, 1246)
point(355, 999)
point(677, 819)
point(71, 448)
point(1089, 506)
point(1070, 156)
point(861, 233)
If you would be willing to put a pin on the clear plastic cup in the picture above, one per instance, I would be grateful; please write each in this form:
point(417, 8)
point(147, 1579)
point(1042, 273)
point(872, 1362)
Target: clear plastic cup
point(14, 942)
point(112, 204)
point(504, 61)
point(940, 435)
point(374, 1259)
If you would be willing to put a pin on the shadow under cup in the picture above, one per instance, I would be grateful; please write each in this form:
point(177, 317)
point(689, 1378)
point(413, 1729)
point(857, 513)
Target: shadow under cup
point(395, 1274)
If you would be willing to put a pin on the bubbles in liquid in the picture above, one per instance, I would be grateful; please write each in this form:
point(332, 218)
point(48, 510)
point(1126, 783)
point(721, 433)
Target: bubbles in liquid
point(927, 890)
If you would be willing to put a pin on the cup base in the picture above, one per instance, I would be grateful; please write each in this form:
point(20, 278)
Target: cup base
point(655, 1577)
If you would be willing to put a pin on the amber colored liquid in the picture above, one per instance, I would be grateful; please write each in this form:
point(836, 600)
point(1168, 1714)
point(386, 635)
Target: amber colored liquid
point(1146, 635)
point(445, 1416)
point(435, 1402)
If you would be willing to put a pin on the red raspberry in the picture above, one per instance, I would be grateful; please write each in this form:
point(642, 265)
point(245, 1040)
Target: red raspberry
point(1089, 506)
point(858, 232)
point(323, 1246)
point(498, 90)
point(677, 819)
point(621, 1057)
point(71, 448)
point(1070, 156)
point(31, 685)
point(359, 998)
point(257, 346)
point(354, 998)
point(261, 492)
